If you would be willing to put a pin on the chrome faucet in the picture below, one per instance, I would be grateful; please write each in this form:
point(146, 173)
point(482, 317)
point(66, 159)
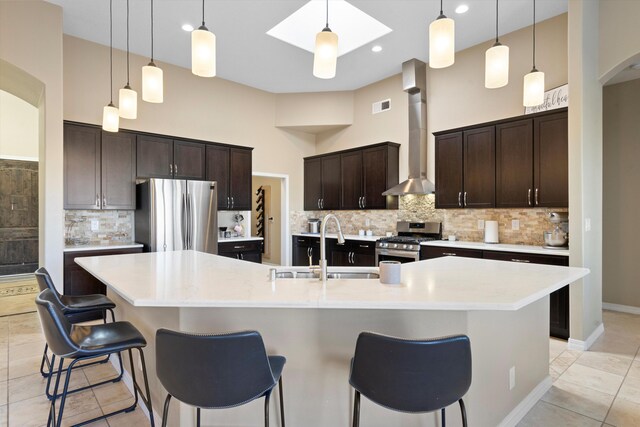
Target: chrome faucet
point(323, 247)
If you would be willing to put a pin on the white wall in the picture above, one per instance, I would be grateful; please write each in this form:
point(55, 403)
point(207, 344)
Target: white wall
point(19, 138)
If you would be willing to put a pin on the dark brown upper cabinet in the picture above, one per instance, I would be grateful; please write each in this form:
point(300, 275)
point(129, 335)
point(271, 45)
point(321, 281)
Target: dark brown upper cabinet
point(99, 168)
point(322, 183)
point(380, 170)
point(449, 170)
point(231, 169)
point(351, 185)
point(551, 161)
point(188, 160)
point(168, 158)
point(514, 164)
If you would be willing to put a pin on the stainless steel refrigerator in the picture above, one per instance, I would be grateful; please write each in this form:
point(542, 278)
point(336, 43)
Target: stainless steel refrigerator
point(173, 214)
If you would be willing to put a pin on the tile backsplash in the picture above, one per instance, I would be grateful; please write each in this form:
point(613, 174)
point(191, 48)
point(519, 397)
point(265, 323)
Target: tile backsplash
point(463, 223)
point(95, 226)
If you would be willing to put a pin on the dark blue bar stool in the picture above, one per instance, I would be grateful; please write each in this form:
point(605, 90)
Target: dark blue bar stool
point(72, 305)
point(414, 376)
point(82, 343)
point(217, 371)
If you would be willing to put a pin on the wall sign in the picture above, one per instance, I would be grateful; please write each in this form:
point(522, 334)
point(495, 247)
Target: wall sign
point(554, 98)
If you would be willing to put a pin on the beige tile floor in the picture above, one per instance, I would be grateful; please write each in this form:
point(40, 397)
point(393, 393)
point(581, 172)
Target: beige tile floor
point(600, 387)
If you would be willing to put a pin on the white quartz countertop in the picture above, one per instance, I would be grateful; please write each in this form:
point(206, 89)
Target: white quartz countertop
point(239, 239)
point(346, 236)
point(196, 279)
point(502, 247)
point(102, 246)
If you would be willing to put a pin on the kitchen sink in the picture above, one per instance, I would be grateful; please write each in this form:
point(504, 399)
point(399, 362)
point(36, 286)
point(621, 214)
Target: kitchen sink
point(297, 273)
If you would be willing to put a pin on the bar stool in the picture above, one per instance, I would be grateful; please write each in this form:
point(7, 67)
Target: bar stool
point(78, 342)
point(73, 305)
point(411, 375)
point(217, 371)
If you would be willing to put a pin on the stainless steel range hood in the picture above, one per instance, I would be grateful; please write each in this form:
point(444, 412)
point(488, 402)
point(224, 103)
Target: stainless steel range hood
point(414, 82)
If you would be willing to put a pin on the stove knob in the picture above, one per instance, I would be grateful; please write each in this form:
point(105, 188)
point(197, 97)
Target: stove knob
point(383, 245)
point(394, 245)
point(405, 246)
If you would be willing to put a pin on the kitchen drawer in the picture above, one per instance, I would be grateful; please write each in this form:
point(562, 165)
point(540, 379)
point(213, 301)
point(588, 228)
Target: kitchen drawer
point(240, 246)
point(428, 252)
point(527, 258)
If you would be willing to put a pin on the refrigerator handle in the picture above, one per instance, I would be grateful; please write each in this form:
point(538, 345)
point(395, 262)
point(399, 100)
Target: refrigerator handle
point(189, 223)
point(184, 221)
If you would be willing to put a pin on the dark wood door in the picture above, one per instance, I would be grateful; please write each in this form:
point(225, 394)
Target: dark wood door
point(551, 160)
point(339, 257)
point(375, 170)
point(449, 170)
point(77, 280)
point(154, 157)
point(303, 249)
point(514, 164)
point(330, 182)
point(189, 160)
point(351, 189)
point(118, 170)
point(240, 178)
point(253, 256)
point(312, 184)
point(218, 170)
point(81, 167)
point(479, 168)
point(364, 254)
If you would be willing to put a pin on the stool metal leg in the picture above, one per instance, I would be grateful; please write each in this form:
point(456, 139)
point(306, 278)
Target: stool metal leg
point(281, 401)
point(198, 417)
point(146, 396)
point(464, 413)
point(444, 422)
point(165, 411)
point(356, 409)
point(266, 409)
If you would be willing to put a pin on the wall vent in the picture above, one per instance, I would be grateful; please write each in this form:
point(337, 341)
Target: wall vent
point(381, 106)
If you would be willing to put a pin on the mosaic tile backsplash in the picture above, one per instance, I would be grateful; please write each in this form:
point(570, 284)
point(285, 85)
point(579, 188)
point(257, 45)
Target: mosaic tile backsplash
point(463, 223)
point(112, 226)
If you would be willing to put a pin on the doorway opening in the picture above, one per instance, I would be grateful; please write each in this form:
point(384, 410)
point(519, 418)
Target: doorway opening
point(270, 216)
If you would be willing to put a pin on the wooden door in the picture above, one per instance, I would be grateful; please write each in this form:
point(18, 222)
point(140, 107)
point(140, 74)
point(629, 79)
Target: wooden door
point(331, 182)
point(551, 161)
point(351, 183)
point(449, 170)
point(375, 170)
point(514, 164)
point(240, 178)
point(479, 174)
point(118, 170)
point(217, 164)
point(339, 257)
point(364, 254)
point(154, 157)
point(81, 167)
point(189, 160)
point(312, 184)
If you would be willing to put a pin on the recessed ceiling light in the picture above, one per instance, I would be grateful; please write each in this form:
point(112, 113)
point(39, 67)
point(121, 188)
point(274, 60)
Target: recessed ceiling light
point(635, 66)
point(462, 8)
point(377, 48)
point(187, 27)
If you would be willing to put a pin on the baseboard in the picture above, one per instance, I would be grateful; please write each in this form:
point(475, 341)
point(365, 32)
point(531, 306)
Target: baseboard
point(518, 413)
point(573, 344)
point(128, 382)
point(621, 308)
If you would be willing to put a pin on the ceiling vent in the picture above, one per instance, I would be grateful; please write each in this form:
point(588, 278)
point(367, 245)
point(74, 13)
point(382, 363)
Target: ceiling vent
point(381, 106)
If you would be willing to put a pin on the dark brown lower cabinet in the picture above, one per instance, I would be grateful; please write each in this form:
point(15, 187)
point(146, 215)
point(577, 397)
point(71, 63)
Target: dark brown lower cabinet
point(428, 252)
point(354, 253)
point(305, 251)
point(246, 250)
point(78, 281)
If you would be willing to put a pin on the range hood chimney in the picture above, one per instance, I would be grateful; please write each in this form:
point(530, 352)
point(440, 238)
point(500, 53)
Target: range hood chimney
point(414, 82)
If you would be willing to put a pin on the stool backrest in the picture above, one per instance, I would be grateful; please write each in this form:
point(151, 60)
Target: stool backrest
point(56, 327)
point(411, 375)
point(45, 282)
point(213, 371)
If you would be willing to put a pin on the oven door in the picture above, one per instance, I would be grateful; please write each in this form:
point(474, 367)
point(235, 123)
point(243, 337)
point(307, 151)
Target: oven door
point(396, 255)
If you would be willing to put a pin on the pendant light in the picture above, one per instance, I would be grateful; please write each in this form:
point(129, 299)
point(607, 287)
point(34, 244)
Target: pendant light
point(442, 41)
point(128, 97)
point(110, 117)
point(325, 57)
point(152, 90)
point(496, 65)
point(533, 93)
point(203, 51)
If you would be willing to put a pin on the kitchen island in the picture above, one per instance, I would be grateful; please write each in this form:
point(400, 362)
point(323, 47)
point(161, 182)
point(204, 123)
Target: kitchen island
point(503, 307)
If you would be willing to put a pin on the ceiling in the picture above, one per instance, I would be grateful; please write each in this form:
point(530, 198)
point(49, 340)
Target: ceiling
point(247, 55)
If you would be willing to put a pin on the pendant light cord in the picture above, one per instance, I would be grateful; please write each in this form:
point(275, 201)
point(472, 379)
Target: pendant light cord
point(496, 21)
point(127, 42)
point(534, 34)
point(111, 49)
point(441, 8)
point(203, 13)
point(327, 26)
point(151, 30)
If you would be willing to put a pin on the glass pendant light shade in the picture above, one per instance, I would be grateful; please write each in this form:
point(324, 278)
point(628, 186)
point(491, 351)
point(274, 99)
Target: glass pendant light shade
point(152, 85)
point(203, 52)
point(110, 118)
point(325, 58)
point(128, 102)
point(533, 88)
point(442, 42)
point(496, 66)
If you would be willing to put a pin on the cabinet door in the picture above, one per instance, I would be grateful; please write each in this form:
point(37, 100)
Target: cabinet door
point(375, 170)
point(479, 168)
point(240, 178)
point(312, 184)
point(551, 161)
point(81, 167)
point(218, 170)
point(154, 157)
point(331, 182)
point(188, 160)
point(304, 248)
point(429, 252)
point(339, 257)
point(118, 170)
point(449, 170)
point(351, 183)
point(364, 254)
point(253, 256)
point(514, 164)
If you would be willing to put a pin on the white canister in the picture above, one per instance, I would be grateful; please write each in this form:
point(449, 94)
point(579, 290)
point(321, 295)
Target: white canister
point(491, 231)
point(390, 272)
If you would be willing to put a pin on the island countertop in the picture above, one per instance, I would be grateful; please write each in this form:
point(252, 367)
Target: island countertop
point(196, 279)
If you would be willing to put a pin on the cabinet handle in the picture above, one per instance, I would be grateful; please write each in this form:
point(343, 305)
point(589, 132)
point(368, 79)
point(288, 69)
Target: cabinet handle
point(301, 240)
point(536, 197)
point(241, 256)
point(318, 203)
point(364, 202)
point(309, 252)
point(97, 201)
point(465, 199)
point(233, 202)
point(175, 168)
point(449, 254)
point(360, 202)
point(350, 257)
point(104, 201)
point(228, 202)
point(519, 260)
point(460, 198)
point(322, 203)
point(238, 247)
point(364, 246)
point(529, 196)
point(170, 169)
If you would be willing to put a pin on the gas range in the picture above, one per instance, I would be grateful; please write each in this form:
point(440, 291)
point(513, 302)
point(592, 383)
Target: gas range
point(407, 243)
point(405, 247)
